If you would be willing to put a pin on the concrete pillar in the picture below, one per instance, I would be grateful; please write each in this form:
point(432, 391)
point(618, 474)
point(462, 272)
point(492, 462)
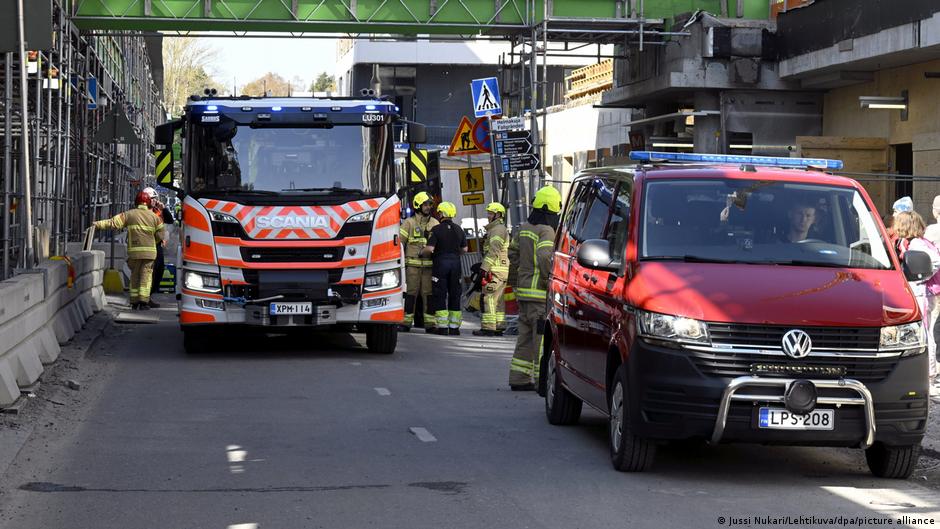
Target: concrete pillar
point(709, 138)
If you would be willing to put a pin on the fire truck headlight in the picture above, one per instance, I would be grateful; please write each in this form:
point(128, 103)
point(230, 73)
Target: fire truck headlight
point(365, 216)
point(222, 217)
point(202, 282)
point(382, 280)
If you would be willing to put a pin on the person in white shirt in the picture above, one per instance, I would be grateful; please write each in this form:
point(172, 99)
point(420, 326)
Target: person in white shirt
point(909, 226)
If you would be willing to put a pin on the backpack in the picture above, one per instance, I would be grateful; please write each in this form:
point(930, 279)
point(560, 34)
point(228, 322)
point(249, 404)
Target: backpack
point(932, 284)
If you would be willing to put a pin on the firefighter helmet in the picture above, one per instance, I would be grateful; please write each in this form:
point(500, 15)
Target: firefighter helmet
point(447, 210)
point(420, 199)
point(496, 207)
point(150, 191)
point(143, 199)
point(547, 198)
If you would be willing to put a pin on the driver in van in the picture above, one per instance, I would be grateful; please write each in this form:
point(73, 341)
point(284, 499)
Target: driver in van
point(800, 219)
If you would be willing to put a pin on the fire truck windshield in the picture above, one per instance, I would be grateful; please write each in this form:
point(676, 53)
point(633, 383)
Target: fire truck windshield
point(253, 160)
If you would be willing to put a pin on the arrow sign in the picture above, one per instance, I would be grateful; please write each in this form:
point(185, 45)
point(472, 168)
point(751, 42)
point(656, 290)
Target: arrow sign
point(513, 143)
point(525, 162)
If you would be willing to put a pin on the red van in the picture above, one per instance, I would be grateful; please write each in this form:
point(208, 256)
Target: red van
point(737, 299)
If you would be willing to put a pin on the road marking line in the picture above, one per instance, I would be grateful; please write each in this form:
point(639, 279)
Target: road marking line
point(243, 526)
point(355, 363)
point(383, 391)
point(423, 435)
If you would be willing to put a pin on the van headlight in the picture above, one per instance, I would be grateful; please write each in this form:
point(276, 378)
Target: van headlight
point(673, 328)
point(365, 216)
point(382, 280)
point(201, 282)
point(909, 337)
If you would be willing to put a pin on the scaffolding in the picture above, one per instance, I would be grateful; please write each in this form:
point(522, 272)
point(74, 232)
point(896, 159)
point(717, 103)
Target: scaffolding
point(72, 178)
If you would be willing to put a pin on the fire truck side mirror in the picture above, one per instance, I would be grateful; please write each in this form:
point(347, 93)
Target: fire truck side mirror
point(164, 134)
point(417, 133)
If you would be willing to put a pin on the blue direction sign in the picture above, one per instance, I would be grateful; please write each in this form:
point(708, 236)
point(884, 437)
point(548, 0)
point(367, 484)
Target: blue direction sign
point(486, 100)
point(92, 93)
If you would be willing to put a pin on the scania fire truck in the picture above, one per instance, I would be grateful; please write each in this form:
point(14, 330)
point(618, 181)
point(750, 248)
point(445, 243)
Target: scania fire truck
point(290, 215)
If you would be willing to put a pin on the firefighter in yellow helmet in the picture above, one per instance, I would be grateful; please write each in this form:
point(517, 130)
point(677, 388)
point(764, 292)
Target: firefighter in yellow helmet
point(414, 235)
point(445, 243)
point(144, 232)
point(495, 270)
point(530, 255)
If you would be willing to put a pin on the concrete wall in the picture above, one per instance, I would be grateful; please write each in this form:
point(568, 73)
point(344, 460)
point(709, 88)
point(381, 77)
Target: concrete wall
point(39, 312)
point(843, 116)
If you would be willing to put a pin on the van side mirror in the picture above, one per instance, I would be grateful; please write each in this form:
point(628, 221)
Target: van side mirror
point(917, 266)
point(595, 254)
point(417, 133)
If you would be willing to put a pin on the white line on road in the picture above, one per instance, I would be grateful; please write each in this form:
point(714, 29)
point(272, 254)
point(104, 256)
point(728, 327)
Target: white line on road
point(243, 526)
point(355, 363)
point(423, 435)
point(383, 391)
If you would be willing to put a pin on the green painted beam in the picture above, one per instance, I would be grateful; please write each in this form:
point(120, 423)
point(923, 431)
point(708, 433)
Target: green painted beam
point(400, 17)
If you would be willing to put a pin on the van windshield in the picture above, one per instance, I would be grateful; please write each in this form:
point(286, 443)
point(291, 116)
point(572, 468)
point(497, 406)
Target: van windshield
point(760, 222)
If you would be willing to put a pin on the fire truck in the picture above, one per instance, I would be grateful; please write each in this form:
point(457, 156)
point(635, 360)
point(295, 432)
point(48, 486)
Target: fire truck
point(290, 215)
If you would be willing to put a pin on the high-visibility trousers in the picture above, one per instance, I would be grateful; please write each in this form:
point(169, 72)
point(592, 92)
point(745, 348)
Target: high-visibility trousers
point(446, 298)
point(494, 311)
point(419, 284)
point(524, 367)
point(141, 279)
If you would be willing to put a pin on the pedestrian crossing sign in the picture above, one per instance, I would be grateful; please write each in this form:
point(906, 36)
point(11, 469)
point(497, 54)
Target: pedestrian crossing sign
point(486, 99)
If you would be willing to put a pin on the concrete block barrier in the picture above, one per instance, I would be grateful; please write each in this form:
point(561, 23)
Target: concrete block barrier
point(39, 312)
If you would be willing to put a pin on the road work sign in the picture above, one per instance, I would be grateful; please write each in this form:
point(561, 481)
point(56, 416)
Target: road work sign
point(464, 142)
point(486, 100)
point(471, 179)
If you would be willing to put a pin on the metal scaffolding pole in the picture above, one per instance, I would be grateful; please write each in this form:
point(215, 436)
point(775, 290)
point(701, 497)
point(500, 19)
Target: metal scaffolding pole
point(28, 257)
point(7, 157)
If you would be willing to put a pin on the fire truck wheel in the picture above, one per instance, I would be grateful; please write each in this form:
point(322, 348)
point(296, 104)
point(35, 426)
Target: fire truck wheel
point(382, 339)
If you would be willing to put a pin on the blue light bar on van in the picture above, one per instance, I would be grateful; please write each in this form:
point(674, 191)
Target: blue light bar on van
point(777, 161)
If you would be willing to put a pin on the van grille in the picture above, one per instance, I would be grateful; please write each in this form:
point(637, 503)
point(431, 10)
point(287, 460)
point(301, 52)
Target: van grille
point(771, 336)
point(724, 364)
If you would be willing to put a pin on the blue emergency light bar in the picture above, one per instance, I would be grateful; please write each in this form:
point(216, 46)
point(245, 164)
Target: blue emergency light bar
point(775, 161)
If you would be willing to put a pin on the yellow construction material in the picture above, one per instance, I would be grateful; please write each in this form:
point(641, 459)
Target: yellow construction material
point(113, 284)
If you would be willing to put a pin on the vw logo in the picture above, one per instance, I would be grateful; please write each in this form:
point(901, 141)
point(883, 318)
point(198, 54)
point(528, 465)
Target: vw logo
point(797, 344)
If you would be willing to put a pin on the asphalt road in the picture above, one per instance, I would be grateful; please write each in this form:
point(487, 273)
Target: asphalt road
point(313, 431)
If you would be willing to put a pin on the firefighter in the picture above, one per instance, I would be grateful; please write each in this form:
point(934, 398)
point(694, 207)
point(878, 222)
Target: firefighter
point(446, 242)
point(159, 264)
point(414, 235)
point(530, 255)
point(144, 232)
point(495, 271)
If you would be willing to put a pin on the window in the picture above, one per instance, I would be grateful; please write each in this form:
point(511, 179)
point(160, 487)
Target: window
point(575, 205)
point(597, 212)
point(617, 229)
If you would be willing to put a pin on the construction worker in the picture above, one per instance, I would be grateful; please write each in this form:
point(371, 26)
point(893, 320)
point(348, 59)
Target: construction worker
point(530, 255)
point(446, 242)
point(495, 271)
point(414, 235)
point(144, 232)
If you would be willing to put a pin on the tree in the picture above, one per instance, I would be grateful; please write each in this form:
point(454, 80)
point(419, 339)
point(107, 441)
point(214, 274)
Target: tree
point(271, 82)
point(186, 70)
point(323, 83)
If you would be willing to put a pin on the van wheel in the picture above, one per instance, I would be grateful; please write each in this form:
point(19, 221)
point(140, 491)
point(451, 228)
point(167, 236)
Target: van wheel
point(195, 340)
point(382, 339)
point(628, 452)
point(895, 462)
point(561, 407)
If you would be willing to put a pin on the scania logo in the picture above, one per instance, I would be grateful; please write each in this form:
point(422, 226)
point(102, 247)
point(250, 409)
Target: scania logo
point(292, 222)
point(797, 344)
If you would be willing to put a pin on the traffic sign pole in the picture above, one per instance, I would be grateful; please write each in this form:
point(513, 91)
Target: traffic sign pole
point(494, 169)
point(473, 210)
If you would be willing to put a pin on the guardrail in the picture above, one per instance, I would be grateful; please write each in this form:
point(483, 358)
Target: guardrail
point(39, 311)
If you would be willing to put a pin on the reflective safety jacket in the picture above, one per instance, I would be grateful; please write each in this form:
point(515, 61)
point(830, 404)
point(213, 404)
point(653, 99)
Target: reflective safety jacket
point(414, 234)
point(144, 231)
point(495, 250)
point(530, 256)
